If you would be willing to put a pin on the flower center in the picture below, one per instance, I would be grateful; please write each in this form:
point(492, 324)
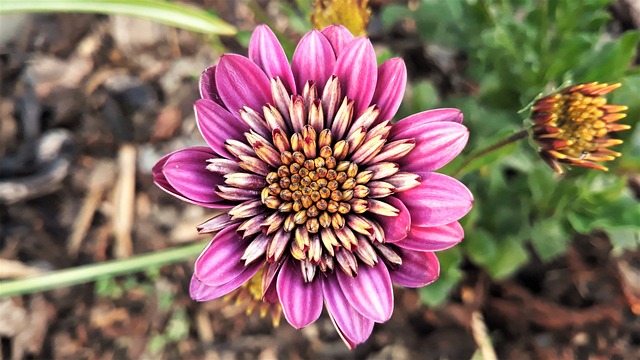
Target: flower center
point(312, 186)
point(572, 126)
point(319, 173)
point(580, 119)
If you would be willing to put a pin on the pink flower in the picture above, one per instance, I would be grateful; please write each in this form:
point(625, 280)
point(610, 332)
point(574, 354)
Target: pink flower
point(323, 192)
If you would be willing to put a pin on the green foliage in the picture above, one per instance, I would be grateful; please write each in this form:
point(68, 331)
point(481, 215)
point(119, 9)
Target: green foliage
point(628, 95)
point(158, 291)
point(517, 50)
point(114, 288)
point(176, 330)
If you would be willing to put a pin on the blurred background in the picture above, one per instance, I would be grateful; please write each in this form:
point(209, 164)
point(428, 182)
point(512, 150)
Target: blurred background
point(549, 267)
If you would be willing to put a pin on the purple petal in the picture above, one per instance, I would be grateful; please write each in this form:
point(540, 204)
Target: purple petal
point(418, 269)
point(338, 36)
point(433, 238)
point(270, 294)
point(183, 174)
point(216, 125)
point(412, 123)
point(369, 292)
point(313, 59)
point(221, 261)
point(215, 224)
point(438, 200)
point(357, 69)
point(392, 80)
point(242, 83)
point(301, 302)
point(353, 328)
point(202, 292)
point(265, 50)
point(208, 89)
point(269, 279)
point(436, 145)
point(395, 228)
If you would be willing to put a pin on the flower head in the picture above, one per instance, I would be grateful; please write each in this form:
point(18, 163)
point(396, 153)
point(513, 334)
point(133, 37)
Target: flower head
point(320, 188)
point(571, 126)
point(352, 14)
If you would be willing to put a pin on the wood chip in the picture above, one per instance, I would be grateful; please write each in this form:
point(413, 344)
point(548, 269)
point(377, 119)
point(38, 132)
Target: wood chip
point(100, 179)
point(124, 201)
point(12, 269)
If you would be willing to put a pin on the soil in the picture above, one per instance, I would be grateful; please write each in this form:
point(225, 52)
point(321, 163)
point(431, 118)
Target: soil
point(89, 103)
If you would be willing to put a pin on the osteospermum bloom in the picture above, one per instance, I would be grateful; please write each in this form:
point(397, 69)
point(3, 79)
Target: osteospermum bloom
point(322, 191)
point(571, 126)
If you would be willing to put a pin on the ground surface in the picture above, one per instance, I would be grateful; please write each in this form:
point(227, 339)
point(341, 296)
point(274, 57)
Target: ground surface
point(101, 99)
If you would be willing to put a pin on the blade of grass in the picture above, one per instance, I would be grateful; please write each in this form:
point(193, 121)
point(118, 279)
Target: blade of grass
point(180, 15)
point(87, 273)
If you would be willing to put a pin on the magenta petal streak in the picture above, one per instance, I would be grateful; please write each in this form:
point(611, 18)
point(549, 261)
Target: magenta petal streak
point(415, 121)
point(433, 238)
point(220, 262)
point(207, 85)
point(392, 80)
point(338, 36)
point(395, 228)
point(313, 59)
point(200, 291)
point(436, 145)
point(216, 125)
point(301, 302)
point(369, 292)
point(418, 269)
point(185, 171)
point(241, 83)
point(265, 50)
point(438, 200)
point(357, 69)
point(353, 327)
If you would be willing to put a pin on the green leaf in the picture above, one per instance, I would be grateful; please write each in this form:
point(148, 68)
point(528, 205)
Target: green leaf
point(581, 222)
point(480, 246)
point(624, 239)
point(156, 344)
point(175, 14)
point(511, 256)
point(627, 95)
point(393, 13)
point(541, 184)
point(611, 61)
point(178, 327)
point(500, 255)
point(549, 239)
point(623, 213)
point(108, 288)
point(450, 275)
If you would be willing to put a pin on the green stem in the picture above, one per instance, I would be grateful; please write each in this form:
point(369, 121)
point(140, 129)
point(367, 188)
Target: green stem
point(170, 13)
point(504, 142)
point(93, 272)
